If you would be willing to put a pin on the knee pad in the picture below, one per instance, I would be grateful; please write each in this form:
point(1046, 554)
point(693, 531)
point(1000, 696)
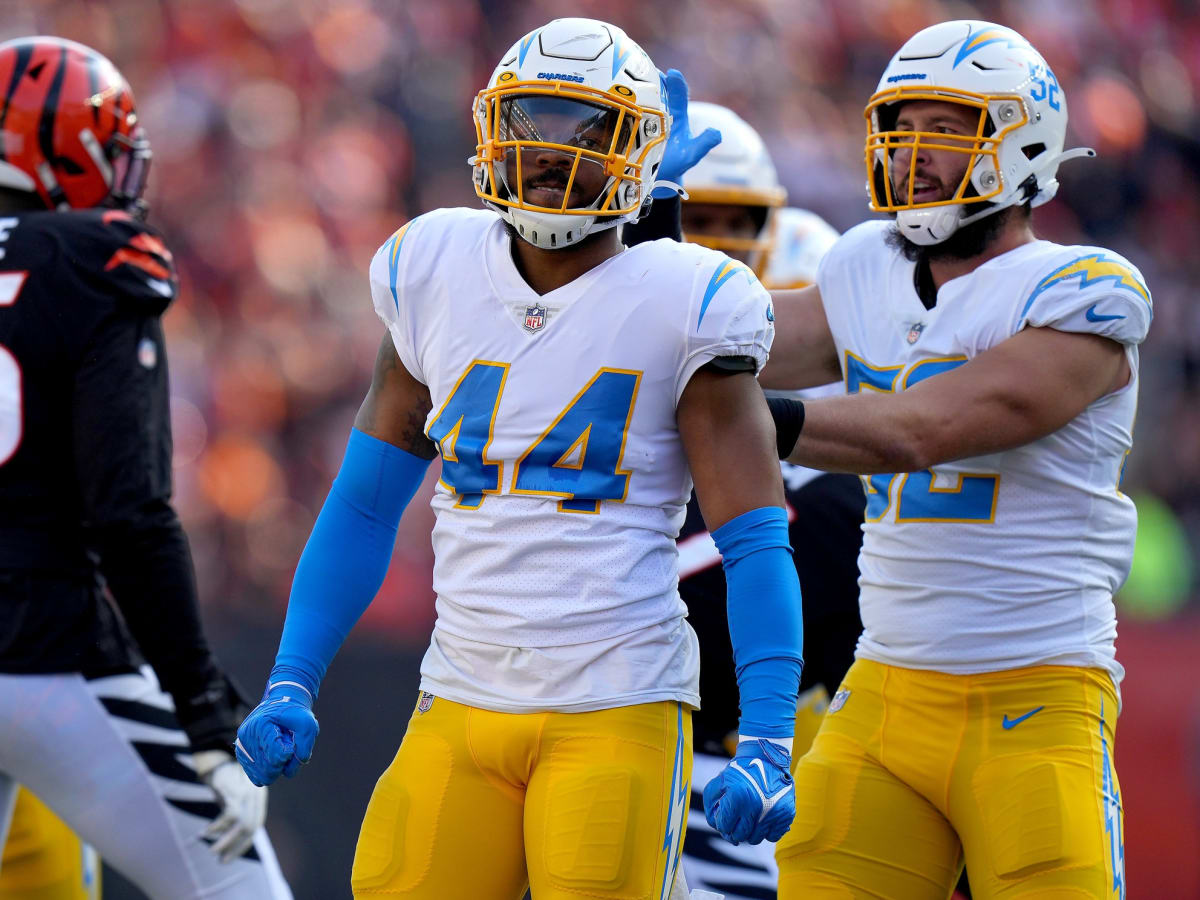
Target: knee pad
point(1039, 811)
point(587, 827)
point(386, 849)
point(819, 817)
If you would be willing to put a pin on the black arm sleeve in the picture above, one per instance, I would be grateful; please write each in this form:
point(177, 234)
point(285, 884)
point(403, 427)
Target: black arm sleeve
point(662, 221)
point(122, 438)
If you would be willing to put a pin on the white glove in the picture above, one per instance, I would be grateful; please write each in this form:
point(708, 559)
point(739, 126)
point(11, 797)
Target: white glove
point(243, 806)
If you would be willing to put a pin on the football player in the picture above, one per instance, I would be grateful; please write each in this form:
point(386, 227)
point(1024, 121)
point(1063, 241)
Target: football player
point(85, 485)
point(734, 204)
point(992, 383)
point(574, 390)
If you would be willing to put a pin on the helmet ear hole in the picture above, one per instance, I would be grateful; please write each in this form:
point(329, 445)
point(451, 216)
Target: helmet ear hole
point(882, 194)
point(886, 116)
point(1032, 151)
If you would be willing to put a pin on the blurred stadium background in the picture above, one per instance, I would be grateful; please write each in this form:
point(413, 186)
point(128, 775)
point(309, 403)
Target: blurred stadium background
point(291, 137)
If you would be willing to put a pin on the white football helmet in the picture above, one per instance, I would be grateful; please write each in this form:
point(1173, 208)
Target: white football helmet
point(800, 241)
point(1016, 149)
point(739, 172)
point(582, 102)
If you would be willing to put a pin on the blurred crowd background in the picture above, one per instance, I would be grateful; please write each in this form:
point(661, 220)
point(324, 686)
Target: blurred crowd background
point(292, 137)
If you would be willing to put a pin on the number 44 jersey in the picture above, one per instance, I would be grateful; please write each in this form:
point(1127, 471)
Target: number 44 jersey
point(564, 480)
point(1009, 559)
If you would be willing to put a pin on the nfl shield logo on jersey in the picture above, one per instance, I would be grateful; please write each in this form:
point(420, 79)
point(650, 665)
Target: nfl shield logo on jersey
point(914, 331)
point(425, 702)
point(535, 318)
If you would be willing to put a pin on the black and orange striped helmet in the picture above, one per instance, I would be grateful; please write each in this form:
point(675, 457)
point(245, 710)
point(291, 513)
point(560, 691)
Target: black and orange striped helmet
point(69, 131)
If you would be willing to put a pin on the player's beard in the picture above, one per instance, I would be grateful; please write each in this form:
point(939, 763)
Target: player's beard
point(967, 242)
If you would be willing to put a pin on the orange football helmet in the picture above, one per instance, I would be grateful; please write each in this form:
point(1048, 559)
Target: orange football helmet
point(69, 131)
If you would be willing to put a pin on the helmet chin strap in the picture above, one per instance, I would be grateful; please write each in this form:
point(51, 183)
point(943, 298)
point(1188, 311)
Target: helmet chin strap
point(934, 224)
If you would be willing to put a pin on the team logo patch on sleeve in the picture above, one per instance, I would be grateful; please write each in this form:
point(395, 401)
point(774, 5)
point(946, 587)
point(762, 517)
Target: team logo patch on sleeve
point(147, 353)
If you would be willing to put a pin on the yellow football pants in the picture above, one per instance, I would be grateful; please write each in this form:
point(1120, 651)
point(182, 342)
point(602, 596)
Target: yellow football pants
point(44, 859)
point(914, 772)
point(480, 804)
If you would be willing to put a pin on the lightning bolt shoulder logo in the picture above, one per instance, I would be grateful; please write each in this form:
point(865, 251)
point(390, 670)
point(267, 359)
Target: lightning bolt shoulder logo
point(1091, 269)
point(393, 245)
point(723, 273)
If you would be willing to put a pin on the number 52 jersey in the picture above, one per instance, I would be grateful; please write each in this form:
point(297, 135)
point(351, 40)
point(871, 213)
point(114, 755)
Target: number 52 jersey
point(564, 480)
point(1009, 559)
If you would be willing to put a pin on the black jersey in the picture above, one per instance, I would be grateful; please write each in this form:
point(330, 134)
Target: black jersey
point(825, 516)
point(85, 464)
point(86, 404)
point(84, 418)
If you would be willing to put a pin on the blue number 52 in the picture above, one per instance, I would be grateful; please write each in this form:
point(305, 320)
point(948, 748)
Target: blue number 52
point(918, 498)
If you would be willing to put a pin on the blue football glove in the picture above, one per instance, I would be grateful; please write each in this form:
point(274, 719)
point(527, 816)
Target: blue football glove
point(753, 798)
point(683, 150)
point(278, 735)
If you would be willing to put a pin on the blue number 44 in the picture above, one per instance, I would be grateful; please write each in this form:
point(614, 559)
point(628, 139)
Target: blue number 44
point(576, 459)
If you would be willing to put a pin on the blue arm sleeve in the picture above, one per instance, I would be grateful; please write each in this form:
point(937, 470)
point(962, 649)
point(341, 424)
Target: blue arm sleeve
point(765, 620)
point(347, 555)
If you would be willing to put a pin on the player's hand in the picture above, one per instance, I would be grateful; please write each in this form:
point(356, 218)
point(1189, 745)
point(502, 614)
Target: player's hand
point(278, 735)
point(683, 150)
point(753, 798)
point(243, 806)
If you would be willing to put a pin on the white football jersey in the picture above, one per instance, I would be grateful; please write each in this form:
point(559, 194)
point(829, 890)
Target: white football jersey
point(564, 479)
point(1009, 559)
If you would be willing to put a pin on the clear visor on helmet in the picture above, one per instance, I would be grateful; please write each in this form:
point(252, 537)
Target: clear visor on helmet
point(568, 149)
point(896, 155)
point(555, 151)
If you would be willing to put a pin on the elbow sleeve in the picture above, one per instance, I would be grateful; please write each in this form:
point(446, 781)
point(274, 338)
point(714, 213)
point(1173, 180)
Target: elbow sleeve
point(766, 625)
point(347, 554)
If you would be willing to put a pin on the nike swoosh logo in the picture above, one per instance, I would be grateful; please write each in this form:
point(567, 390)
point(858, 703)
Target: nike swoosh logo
point(1013, 723)
point(237, 742)
point(1092, 316)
